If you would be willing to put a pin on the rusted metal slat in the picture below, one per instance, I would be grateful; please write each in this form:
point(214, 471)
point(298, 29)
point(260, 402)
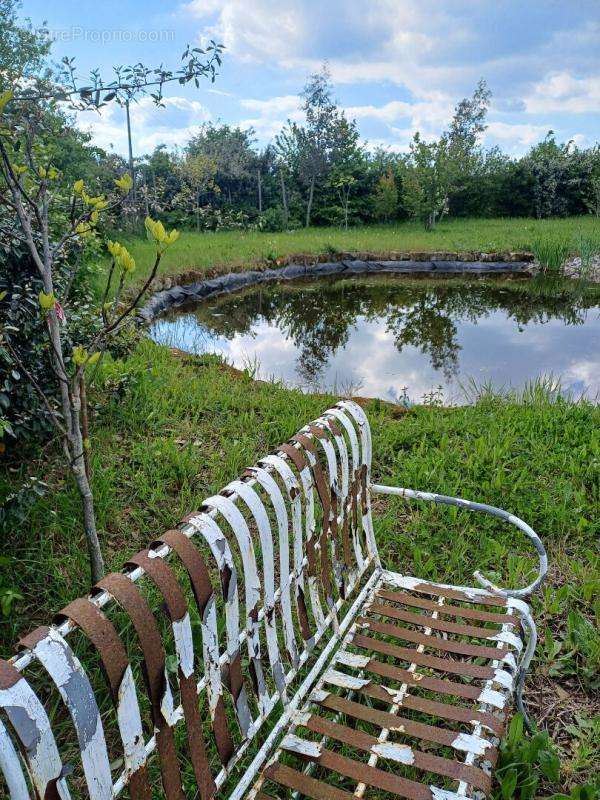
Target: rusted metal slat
point(203, 593)
point(31, 725)
point(307, 786)
point(417, 679)
point(401, 753)
point(448, 609)
point(425, 620)
point(464, 668)
point(177, 611)
point(129, 597)
point(68, 675)
point(444, 711)
point(434, 642)
point(115, 664)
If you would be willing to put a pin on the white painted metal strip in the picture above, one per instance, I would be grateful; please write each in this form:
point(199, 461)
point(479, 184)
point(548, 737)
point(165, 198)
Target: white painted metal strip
point(301, 747)
point(257, 509)
point(130, 723)
point(252, 585)
point(345, 681)
point(272, 489)
point(184, 644)
point(310, 525)
point(293, 490)
point(219, 546)
point(28, 717)
point(210, 654)
point(10, 766)
point(71, 681)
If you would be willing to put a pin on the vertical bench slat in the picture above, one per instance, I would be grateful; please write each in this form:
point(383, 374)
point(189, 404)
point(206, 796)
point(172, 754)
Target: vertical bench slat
point(303, 466)
point(31, 725)
point(252, 589)
point(63, 667)
point(272, 490)
point(202, 588)
point(115, 664)
point(219, 547)
point(10, 765)
point(254, 504)
point(177, 610)
point(128, 595)
point(293, 489)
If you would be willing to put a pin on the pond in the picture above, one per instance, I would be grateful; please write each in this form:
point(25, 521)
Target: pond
point(397, 339)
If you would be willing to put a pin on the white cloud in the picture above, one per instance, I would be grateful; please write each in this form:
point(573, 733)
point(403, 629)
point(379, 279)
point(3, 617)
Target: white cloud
point(271, 114)
point(151, 126)
point(252, 31)
point(515, 137)
point(562, 92)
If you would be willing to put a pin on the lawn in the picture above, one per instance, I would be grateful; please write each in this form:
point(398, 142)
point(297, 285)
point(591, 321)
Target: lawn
point(238, 248)
point(168, 430)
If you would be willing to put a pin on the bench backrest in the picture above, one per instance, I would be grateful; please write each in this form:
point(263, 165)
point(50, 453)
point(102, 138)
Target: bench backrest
point(188, 660)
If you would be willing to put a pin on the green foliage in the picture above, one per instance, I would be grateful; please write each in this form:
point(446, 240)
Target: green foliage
point(522, 760)
point(585, 792)
point(385, 197)
point(273, 220)
point(8, 594)
point(577, 653)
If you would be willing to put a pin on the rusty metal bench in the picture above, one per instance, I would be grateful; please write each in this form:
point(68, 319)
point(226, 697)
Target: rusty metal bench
point(262, 651)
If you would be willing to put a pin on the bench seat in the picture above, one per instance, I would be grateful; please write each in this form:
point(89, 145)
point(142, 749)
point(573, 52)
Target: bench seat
point(262, 650)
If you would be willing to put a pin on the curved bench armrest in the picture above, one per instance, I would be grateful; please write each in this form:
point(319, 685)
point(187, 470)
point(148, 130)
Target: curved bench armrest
point(484, 509)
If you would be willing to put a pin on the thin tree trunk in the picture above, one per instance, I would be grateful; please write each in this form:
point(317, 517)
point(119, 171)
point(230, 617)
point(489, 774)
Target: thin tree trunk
point(258, 178)
point(76, 450)
point(85, 428)
point(311, 194)
point(284, 197)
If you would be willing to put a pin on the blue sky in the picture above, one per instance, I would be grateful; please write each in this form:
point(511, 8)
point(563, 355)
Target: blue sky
point(398, 65)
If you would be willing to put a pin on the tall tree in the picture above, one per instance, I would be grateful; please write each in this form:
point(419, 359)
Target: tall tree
point(310, 149)
point(230, 149)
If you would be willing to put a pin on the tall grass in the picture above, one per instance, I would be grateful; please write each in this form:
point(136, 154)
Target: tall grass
point(551, 253)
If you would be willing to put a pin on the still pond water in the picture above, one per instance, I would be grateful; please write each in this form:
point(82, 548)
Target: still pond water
point(388, 338)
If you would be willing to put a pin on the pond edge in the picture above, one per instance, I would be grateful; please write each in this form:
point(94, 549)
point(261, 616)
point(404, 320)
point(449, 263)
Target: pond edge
point(196, 286)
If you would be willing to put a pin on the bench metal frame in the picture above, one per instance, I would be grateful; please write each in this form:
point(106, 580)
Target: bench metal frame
point(285, 574)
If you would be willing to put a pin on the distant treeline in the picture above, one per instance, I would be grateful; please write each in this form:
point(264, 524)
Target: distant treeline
point(318, 172)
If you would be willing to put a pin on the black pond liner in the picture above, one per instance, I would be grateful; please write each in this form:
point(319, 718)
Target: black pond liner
point(235, 281)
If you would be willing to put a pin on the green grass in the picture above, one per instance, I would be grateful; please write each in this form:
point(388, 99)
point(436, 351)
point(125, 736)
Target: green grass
point(170, 430)
point(237, 248)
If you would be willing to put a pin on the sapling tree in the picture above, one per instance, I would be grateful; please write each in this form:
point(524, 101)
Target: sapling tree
point(385, 197)
point(54, 222)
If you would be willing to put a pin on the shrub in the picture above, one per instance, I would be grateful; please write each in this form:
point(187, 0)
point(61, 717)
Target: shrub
point(273, 220)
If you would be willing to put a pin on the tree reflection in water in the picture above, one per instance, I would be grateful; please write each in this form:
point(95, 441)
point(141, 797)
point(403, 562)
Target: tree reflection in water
point(318, 316)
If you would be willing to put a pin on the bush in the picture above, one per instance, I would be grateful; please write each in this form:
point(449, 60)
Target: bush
point(20, 405)
point(273, 220)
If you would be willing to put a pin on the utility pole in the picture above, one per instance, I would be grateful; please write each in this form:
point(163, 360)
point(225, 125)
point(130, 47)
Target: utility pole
point(131, 168)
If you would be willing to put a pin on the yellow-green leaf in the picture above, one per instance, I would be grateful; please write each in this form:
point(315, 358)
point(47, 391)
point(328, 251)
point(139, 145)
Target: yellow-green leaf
point(124, 183)
point(80, 355)
point(47, 301)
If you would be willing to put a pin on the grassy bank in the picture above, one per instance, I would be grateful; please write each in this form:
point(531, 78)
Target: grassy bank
point(168, 430)
point(205, 250)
